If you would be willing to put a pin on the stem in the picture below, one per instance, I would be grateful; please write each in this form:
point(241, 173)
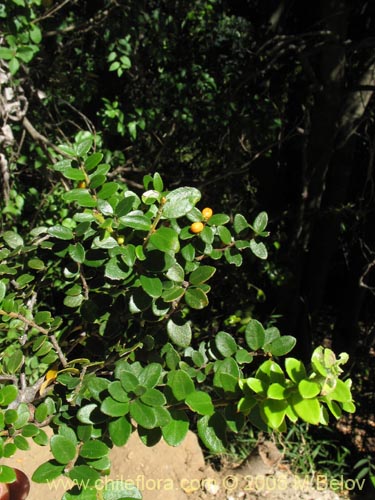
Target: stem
point(155, 223)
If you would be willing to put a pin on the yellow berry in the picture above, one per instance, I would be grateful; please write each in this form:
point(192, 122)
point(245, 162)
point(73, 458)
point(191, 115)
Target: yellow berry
point(120, 240)
point(197, 227)
point(82, 185)
point(207, 213)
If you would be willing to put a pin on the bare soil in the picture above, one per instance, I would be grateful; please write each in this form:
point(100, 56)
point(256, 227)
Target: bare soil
point(165, 473)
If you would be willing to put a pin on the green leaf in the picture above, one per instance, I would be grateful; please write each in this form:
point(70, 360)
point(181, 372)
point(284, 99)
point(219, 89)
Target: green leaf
point(15, 361)
point(84, 413)
point(225, 344)
point(258, 249)
point(240, 223)
point(83, 147)
point(114, 270)
point(120, 431)
point(196, 298)
point(150, 375)
point(165, 239)
point(307, 409)
point(211, 430)
point(61, 232)
point(233, 257)
point(282, 345)
point(143, 414)
point(93, 449)
point(77, 253)
point(81, 196)
point(136, 220)
point(180, 201)
point(6, 53)
point(7, 475)
point(12, 239)
point(14, 65)
point(116, 390)
point(121, 490)
point(273, 412)
point(62, 449)
point(276, 391)
point(152, 286)
point(180, 334)
point(181, 384)
point(200, 402)
point(47, 472)
point(3, 290)
point(176, 273)
point(341, 392)
point(93, 160)
point(308, 388)
point(295, 369)
point(224, 235)
point(74, 174)
point(201, 274)
point(114, 408)
point(83, 474)
point(254, 334)
point(158, 182)
point(218, 220)
point(153, 397)
point(8, 394)
point(260, 222)
point(108, 189)
point(175, 432)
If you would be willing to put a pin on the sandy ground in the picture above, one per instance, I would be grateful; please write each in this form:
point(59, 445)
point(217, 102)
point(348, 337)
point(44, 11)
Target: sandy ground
point(163, 472)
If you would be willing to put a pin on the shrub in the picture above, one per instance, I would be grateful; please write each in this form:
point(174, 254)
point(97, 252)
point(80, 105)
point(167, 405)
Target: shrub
point(96, 302)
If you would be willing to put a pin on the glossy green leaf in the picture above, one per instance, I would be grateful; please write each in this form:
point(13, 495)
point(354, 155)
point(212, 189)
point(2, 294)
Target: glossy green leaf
point(165, 239)
point(93, 449)
point(276, 391)
point(180, 201)
point(307, 409)
point(136, 220)
point(254, 334)
point(15, 361)
point(180, 334)
point(121, 490)
point(240, 223)
point(74, 174)
point(260, 222)
point(83, 474)
point(153, 397)
point(175, 432)
point(218, 220)
point(282, 345)
point(152, 286)
point(63, 450)
point(180, 383)
point(273, 412)
point(259, 249)
point(83, 147)
point(295, 369)
point(115, 270)
point(341, 392)
point(12, 239)
point(8, 394)
point(143, 414)
point(77, 253)
point(114, 408)
point(225, 344)
point(61, 232)
point(196, 298)
point(7, 474)
point(120, 431)
point(81, 196)
point(308, 388)
point(47, 472)
point(93, 160)
point(176, 273)
point(84, 413)
point(201, 274)
point(200, 402)
point(150, 375)
point(224, 235)
point(211, 430)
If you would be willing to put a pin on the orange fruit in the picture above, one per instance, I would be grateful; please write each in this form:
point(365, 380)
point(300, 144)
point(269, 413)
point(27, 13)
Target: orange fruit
point(207, 213)
point(197, 227)
point(82, 184)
